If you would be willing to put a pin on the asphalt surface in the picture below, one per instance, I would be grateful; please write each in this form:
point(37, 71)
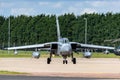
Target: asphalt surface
point(7, 77)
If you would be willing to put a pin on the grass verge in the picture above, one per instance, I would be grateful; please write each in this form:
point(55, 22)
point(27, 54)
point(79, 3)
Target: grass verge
point(45, 54)
point(10, 72)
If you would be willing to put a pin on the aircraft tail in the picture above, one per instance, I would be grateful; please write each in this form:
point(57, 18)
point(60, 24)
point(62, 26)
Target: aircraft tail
point(58, 29)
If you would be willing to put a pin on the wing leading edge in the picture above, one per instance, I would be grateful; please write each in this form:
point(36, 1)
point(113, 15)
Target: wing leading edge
point(96, 46)
point(43, 46)
point(80, 45)
point(26, 47)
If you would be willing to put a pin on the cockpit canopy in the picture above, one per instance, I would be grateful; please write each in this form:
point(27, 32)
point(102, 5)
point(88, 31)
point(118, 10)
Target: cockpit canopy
point(118, 47)
point(64, 40)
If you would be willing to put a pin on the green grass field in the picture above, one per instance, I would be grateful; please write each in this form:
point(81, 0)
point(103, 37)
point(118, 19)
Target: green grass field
point(6, 54)
point(10, 72)
point(45, 54)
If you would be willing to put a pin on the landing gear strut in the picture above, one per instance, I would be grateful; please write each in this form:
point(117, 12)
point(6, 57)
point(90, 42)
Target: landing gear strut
point(64, 59)
point(49, 59)
point(73, 59)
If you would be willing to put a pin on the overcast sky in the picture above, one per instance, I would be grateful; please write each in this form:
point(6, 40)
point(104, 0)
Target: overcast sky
point(58, 7)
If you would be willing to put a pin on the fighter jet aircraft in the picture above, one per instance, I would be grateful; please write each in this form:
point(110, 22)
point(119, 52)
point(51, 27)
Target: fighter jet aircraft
point(62, 47)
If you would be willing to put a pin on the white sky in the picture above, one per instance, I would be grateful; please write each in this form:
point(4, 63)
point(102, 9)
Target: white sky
point(58, 7)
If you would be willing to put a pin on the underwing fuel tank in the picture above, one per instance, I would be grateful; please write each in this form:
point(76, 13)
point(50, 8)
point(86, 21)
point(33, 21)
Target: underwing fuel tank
point(15, 52)
point(117, 52)
point(36, 55)
point(87, 54)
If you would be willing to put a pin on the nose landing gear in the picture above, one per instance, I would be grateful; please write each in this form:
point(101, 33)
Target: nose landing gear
point(65, 61)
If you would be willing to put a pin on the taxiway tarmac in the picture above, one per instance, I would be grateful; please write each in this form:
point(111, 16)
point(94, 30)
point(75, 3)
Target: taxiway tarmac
point(7, 77)
point(94, 67)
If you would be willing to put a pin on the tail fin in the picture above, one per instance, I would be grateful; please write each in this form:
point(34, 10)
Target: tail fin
point(58, 28)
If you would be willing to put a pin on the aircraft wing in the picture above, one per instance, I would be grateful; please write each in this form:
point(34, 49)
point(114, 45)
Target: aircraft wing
point(96, 46)
point(44, 46)
point(80, 45)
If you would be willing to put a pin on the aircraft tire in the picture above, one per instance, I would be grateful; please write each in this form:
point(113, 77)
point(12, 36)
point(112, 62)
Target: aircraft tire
point(74, 60)
point(48, 60)
point(66, 62)
point(63, 61)
point(88, 57)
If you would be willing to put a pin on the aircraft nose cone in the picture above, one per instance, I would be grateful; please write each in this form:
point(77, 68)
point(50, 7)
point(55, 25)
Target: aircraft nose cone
point(65, 48)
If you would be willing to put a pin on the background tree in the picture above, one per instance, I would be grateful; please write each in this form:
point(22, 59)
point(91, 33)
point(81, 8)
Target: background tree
point(42, 28)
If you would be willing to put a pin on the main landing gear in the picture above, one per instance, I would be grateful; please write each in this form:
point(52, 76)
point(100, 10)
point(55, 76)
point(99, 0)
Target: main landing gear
point(74, 60)
point(64, 61)
point(49, 59)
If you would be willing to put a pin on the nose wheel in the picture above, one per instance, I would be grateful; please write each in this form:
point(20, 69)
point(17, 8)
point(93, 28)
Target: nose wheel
point(65, 61)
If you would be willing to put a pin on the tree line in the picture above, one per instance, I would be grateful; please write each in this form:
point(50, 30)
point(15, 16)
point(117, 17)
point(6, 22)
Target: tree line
point(26, 30)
